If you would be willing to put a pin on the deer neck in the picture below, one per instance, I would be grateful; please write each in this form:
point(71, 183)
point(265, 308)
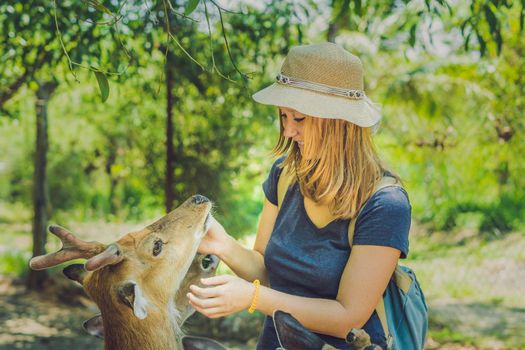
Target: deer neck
point(158, 331)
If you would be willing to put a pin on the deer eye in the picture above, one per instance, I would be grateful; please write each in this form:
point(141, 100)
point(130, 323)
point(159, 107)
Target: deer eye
point(157, 247)
point(206, 262)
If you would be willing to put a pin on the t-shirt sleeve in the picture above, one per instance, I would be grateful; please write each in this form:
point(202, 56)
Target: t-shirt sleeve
point(270, 184)
point(385, 220)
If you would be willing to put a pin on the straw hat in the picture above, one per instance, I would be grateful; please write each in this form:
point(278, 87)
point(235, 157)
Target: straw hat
point(325, 81)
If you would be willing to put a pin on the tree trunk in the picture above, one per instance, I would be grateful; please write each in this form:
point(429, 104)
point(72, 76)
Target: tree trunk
point(169, 134)
point(332, 32)
point(40, 196)
point(110, 161)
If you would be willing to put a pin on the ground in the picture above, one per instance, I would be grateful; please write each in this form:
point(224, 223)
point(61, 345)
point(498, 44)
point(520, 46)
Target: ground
point(41, 321)
point(53, 318)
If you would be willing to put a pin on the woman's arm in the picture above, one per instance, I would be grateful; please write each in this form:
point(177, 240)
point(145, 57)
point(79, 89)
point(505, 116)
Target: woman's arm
point(363, 282)
point(246, 263)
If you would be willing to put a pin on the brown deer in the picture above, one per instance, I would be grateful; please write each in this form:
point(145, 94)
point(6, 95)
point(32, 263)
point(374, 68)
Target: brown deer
point(135, 280)
point(203, 266)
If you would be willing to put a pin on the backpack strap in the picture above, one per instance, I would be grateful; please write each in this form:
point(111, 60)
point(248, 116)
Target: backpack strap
point(285, 180)
point(386, 181)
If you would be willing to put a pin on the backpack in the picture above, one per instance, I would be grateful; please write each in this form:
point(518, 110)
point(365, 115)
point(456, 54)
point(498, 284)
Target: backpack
point(403, 311)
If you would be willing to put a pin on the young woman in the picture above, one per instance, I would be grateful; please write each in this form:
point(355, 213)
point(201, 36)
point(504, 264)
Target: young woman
point(302, 255)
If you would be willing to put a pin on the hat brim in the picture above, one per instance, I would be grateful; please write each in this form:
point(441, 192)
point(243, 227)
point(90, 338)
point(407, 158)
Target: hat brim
point(360, 112)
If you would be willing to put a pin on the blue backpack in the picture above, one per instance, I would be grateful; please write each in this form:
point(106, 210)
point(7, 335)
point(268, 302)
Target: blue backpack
point(402, 311)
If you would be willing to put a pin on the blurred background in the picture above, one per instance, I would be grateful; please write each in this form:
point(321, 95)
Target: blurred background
point(113, 112)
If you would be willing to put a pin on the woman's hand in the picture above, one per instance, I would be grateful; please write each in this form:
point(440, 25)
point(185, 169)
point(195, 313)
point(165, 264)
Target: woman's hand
point(216, 240)
point(223, 295)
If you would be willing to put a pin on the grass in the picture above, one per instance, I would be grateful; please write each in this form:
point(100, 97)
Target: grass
point(444, 334)
point(474, 287)
point(14, 212)
point(470, 269)
point(14, 263)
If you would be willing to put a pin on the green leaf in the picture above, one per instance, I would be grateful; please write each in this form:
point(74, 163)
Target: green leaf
point(299, 34)
point(358, 8)
point(103, 85)
point(482, 43)
point(412, 37)
point(343, 10)
point(491, 19)
point(191, 6)
point(467, 41)
point(97, 5)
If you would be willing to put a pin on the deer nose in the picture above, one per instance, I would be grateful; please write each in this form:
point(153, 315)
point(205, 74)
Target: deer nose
point(214, 261)
point(199, 199)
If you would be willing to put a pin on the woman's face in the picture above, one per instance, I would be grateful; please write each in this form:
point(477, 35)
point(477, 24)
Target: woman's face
point(293, 124)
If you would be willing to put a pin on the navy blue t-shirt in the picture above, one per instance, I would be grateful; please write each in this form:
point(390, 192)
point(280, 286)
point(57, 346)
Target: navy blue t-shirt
point(307, 261)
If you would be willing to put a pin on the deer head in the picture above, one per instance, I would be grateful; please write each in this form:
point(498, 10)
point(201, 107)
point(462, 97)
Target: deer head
point(134, 281)
point(203, 266)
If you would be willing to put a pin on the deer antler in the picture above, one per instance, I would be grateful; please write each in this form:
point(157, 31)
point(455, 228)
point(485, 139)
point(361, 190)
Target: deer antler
point(110, 256)
point(72, 248)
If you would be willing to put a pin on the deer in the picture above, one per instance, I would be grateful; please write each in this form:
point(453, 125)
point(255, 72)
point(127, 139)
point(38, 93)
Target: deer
point(135, 280)
point(202, 266)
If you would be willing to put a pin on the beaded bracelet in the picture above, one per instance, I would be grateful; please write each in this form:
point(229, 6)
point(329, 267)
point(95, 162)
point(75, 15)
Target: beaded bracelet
point(257, 284)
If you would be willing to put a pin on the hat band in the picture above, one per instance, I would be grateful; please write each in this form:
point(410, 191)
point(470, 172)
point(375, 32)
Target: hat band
point(326, 89)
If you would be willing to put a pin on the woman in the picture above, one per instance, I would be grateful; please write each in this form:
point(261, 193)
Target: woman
point(302, 253)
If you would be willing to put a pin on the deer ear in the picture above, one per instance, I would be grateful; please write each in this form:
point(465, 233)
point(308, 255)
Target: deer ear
point(130, 294)
point(75, 272)
point(293, 335)
point(95, 326)
point(198, 343)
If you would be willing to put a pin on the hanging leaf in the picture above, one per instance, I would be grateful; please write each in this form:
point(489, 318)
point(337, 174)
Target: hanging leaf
point(499, 42)
point(103, 85)
point(427, 4)
point(482, 43)
point(97, 5)
point(191, 6)
point(491, 20)
point(412, 37)
point(343, 11)
point(358, 8)
point(467, 41)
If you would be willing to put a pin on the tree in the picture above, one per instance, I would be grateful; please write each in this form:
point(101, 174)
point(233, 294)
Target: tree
point(33, 42)
point(40, 193)
point(482, 25)
point(110, 39)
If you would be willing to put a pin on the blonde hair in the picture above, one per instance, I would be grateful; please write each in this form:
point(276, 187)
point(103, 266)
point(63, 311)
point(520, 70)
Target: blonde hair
point(339, 166)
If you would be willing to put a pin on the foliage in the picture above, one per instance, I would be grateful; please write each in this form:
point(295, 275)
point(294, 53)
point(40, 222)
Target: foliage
point(452, 121)
point(108, 159)
point(481, 22)
point(36, 35)
point(14, 263)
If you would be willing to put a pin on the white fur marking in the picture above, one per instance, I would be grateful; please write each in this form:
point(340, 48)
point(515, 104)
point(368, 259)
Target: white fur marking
point(140, 303)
